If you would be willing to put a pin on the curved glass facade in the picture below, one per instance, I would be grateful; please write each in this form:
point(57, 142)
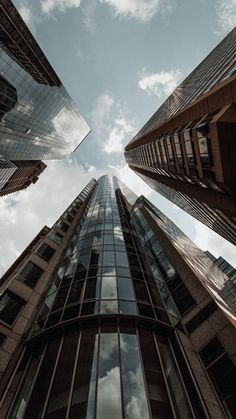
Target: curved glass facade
point(100, 346)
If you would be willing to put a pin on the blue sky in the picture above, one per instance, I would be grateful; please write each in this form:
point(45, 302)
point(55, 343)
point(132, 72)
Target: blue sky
point(119, 60)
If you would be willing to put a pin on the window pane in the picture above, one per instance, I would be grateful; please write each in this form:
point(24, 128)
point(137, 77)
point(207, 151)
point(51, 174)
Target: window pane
point(108, 392)
point(108, 289)
point(30, 274)
point(58, 400)
point(85, 377)
point(10, 307)
point(46, 252)
point(38, 396)
point(125, 288)
point(135, 401)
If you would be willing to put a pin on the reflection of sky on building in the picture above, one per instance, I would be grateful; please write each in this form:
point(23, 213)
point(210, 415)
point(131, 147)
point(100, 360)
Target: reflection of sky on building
point(211, 277)
point(135, 402)
point(109, 392)
point(44, 123)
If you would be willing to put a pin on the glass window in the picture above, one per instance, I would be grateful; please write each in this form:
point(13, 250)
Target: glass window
point(121, 259)
point(38, 396)
point(222, 373)
point(158, 397)
point(63, 226)
point(25, 387)
point(125, 289)
point(83, 397)
point(75, 292)
point(108, 258)
point(108, 390)
point(108, 289)
point(109, 306)
point(45, 251)
point(178, 394)
point(59, 395)
point(10, 307)
point(2, 338)
point(55, 237)
point(134, 394)
point(183, 299)
point(127, 307)
point(30, 274)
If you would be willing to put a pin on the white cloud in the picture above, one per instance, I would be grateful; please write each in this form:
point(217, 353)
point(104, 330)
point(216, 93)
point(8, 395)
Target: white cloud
point(159, 84)
point(26, 212)
point(141, 10)
point(61, 5)
point(89, 12)
point(115, 143)
point(111, 124)
point(226, 14)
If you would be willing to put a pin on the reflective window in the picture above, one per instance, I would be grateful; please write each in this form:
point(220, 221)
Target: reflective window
point(30, 274)
point(222, 373)
point(108, 289)
point(59, 395)
point(134, 394)
point(109, 391)
point(10, 307)
point(46, 252)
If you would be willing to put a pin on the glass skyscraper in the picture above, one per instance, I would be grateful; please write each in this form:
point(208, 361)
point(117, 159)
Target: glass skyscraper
point(107, 315)
point(38, 119)
point(186, 150)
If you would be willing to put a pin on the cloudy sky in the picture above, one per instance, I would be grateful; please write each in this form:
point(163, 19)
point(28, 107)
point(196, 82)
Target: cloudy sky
point(119, 60)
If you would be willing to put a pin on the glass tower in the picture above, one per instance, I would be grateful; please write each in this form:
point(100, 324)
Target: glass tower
point(109, 336)
point(38, 118)
point(186, 150)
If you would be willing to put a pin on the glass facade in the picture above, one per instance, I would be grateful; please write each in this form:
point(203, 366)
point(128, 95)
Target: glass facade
point(38, 119)
point(104, 343)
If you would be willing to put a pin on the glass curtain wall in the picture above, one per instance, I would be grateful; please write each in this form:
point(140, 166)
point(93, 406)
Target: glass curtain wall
point(104, 307)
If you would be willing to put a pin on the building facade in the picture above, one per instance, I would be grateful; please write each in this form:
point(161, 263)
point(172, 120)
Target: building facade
point(18, 175)
point(186, 151)
point(107, 315)
point(38, 119)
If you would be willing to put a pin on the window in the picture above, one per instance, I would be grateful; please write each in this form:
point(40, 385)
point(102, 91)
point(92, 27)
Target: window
point(55, 237)
point(2, 338)
point(46, 252)
point(10, 307)
point(69, 218)
point(30, 274)
point(222, 373)
point(183, 299)
point(63, 226)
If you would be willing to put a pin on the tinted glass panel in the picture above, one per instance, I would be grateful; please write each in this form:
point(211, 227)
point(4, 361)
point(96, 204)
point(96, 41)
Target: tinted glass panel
point(10, 307)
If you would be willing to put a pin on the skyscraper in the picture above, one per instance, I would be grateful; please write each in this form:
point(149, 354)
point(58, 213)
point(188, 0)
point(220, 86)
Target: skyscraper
point(186, 151)
point(38, 119)
point(18, 175)
point(113, 312)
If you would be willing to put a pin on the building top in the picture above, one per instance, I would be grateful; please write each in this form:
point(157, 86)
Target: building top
point(218, 66)
point(38, 118)
point(19, 42)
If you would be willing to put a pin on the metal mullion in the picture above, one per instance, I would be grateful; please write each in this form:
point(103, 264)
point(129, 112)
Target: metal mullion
point(144, 375)
point(52, 379)
point(120, 368)
point(164, 376)
point(12, 378)
point(97, 372)
point(73, 375)
point(192, 377)
point(35, 378)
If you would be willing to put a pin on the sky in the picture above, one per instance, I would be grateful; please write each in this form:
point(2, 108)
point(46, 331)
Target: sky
point(119, 60)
